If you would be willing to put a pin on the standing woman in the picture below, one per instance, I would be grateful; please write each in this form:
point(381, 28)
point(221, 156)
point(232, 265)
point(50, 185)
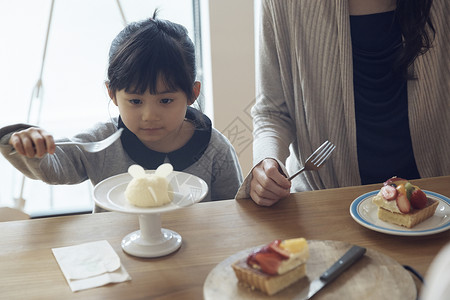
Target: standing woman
point(370, 76)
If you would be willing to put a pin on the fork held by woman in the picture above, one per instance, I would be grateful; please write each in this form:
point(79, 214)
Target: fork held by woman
point(316, 160)
point(269, 183)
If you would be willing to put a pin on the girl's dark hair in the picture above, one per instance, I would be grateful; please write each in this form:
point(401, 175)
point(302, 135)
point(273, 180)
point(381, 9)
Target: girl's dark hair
point(147, 49)
point(417, 30)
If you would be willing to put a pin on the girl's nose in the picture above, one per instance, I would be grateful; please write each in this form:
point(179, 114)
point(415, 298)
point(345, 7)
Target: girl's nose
point(150, 113)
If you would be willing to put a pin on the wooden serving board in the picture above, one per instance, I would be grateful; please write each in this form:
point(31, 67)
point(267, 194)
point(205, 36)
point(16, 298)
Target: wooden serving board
point(374, 276)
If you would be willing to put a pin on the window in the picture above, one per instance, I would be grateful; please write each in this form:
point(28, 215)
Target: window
point(73, 95)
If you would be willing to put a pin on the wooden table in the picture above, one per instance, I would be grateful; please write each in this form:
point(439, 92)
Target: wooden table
point(211, 232)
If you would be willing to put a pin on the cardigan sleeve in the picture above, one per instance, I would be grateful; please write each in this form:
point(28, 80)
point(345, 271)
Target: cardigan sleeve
point(273, 127)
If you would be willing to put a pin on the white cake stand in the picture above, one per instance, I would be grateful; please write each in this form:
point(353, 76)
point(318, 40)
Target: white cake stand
point(150, 240)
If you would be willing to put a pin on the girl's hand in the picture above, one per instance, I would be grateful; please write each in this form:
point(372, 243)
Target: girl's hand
point(33, 142)
point(268, 184)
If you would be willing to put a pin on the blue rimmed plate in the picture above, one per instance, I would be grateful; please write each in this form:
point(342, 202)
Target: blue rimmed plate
point(364, 212)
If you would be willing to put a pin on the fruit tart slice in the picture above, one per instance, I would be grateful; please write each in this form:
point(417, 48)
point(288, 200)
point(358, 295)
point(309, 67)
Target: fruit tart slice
point(274, 266)
point(402, 203)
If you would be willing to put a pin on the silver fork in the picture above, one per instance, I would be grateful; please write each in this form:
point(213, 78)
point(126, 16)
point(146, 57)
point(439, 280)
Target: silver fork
point(91, 146)
point(316, 160)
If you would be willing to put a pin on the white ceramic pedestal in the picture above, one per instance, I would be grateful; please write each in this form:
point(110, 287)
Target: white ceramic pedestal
point(151, 240)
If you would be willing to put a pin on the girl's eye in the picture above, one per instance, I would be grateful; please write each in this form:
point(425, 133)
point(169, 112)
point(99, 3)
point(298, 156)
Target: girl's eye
point(135, 101)
point(166, 101)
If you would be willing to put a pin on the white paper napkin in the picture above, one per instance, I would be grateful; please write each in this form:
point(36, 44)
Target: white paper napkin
point(90, 265)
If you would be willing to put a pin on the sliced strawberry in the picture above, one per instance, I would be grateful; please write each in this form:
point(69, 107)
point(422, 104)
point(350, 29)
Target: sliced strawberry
point(277, 249)
point(403, 203)
point(269, 262)
point(389, 192)
point(395, 181)
point(276, 243)
point(251, 259)
point(264, 249)
point(268, 247)
point(418, 199)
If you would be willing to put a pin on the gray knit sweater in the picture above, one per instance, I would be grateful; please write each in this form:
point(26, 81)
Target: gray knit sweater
point(218, 166)
point(305, 93)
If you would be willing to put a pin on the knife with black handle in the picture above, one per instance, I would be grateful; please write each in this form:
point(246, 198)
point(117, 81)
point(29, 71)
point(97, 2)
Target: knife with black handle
point(348, 259)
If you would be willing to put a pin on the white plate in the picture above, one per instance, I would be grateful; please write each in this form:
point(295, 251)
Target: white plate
point(187, 190)
point(391, 278)
point(365, 212)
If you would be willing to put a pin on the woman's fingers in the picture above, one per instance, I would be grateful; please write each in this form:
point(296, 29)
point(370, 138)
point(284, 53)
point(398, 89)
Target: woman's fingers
point(272, 170)
point(268, 185)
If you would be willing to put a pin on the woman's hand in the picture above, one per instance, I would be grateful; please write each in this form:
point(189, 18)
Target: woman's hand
point(268, 184)
point(33, 142)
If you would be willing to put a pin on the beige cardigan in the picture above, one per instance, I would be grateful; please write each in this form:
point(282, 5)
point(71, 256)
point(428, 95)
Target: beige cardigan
point(305, 93)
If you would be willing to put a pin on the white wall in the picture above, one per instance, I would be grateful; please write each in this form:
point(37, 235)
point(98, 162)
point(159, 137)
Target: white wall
point(233, 73)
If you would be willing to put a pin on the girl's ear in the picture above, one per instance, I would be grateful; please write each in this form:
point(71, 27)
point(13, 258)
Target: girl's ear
point(111, 94)
point(195, 92)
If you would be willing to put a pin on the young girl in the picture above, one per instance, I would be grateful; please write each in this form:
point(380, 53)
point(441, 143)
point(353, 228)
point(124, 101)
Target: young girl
point(151, 79)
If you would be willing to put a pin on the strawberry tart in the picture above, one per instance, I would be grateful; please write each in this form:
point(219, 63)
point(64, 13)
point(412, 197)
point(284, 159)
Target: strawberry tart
point(274, 266)
point(402, 203)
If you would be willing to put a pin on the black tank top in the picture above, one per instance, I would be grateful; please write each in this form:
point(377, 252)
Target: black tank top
point(381, 100)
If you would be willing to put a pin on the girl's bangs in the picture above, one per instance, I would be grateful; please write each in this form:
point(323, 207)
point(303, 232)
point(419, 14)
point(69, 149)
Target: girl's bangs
point(140, 83)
